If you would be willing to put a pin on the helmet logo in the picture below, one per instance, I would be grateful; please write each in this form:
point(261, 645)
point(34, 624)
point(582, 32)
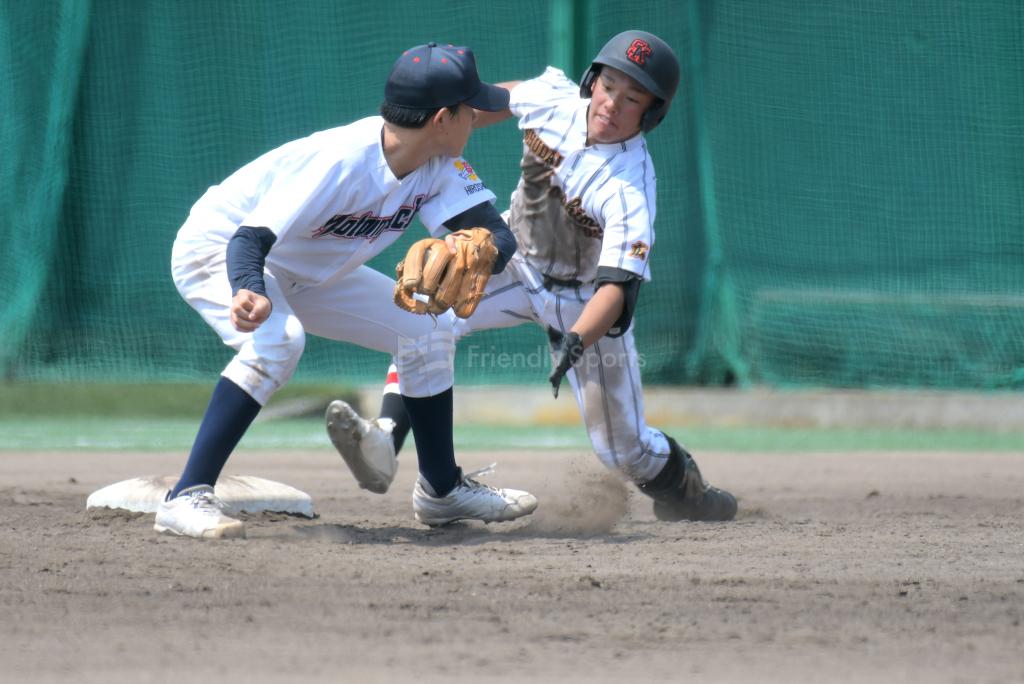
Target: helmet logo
point(638, 52)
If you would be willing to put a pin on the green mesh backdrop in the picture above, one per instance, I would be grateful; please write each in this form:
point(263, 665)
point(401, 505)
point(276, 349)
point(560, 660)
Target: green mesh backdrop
point(867, 162)
point(840, 184)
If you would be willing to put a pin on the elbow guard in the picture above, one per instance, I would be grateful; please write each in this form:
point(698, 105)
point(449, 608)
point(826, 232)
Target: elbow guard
point(630, 284)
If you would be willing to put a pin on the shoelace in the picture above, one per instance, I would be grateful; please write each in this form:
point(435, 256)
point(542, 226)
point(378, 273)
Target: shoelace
point(467, 478)
point(206, 500)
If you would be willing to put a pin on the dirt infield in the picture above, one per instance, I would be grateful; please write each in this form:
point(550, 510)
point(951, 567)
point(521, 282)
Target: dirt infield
point(840, 568)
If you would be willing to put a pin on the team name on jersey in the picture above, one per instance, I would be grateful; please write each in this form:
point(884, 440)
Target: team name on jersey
point(540, 148)
point(366, 226)
point(573, 207)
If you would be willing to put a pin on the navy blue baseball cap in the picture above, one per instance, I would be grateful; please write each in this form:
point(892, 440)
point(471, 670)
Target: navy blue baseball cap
point(432, 76)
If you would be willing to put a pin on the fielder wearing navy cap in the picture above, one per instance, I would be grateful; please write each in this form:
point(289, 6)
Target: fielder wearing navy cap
point(432, 76)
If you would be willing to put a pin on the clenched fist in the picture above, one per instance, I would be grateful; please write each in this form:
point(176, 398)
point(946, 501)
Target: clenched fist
point(249, 310)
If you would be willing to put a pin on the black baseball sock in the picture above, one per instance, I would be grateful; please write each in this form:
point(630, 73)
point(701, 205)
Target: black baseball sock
point(228, 416)
point(431, 420)
point(393, 408)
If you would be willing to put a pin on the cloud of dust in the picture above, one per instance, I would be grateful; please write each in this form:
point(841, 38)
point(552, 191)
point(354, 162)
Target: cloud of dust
point(581, 498)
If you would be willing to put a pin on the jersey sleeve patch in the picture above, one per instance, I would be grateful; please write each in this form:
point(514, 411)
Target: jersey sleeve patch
point(638, 250)
point(466, 173)
point(456, 187)
point(464, 170)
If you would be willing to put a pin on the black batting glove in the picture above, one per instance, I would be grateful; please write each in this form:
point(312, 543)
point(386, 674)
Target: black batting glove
point(567, 348)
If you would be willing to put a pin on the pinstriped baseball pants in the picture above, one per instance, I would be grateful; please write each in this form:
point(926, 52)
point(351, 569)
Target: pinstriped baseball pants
point(605, 381)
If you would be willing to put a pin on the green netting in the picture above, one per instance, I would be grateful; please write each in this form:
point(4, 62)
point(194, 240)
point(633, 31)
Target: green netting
point(41, 53)
point(840, 185)
point(868, 171)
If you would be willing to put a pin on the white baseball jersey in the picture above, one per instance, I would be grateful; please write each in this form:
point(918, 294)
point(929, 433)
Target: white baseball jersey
point(332, 201)
point(578, 207)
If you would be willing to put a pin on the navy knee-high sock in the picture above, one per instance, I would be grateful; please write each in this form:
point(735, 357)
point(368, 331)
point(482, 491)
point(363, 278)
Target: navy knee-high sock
point(393, 407)
point(431, 419)
point(228, 416)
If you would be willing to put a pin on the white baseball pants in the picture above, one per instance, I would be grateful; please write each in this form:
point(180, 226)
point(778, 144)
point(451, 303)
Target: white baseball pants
point(356, 308)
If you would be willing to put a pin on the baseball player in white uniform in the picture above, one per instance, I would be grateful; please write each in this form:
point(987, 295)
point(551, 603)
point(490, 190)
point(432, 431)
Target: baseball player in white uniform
point(277, 251)
point(583, 215)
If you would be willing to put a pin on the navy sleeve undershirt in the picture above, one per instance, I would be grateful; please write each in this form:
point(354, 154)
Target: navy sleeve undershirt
point(484, 215)
point(247, 253)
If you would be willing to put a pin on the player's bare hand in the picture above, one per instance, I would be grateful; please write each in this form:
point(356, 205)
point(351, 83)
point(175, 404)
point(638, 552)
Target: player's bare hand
point(451, 238)
point(249, 310)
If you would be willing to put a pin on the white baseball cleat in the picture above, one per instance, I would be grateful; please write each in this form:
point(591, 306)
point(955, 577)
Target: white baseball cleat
point(470, 500)
point(197, 512)
point(366, 447)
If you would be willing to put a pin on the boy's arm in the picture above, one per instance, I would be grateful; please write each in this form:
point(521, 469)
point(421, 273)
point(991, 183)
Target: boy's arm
point(603, 309)
point(484, 119)
point(609, 312)
point(246, 254)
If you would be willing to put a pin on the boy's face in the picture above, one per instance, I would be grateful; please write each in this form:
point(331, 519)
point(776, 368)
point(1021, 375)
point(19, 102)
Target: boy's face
point(456, 130)
point(617, 104)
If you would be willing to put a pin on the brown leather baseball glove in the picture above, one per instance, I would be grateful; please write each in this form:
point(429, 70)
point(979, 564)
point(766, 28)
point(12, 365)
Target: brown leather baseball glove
point(447, 280)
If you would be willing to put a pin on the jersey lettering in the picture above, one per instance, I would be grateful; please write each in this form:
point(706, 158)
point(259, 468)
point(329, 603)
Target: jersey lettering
point(537, 146)
point(366, 226)
point(574, 208)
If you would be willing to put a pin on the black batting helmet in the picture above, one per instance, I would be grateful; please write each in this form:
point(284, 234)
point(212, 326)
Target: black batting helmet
point(646, 58)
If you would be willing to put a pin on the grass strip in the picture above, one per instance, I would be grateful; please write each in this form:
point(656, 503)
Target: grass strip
point(176, 434)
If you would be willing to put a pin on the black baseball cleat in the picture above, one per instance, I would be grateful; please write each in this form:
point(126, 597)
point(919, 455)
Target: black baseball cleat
point(680, 492)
